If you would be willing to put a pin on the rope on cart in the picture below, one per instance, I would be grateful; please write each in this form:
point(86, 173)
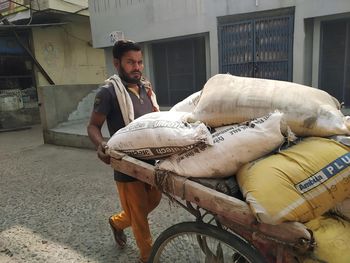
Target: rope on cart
point(164, 182)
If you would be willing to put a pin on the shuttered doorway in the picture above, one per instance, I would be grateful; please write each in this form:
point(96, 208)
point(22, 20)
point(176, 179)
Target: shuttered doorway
point(334, 74)
point(259, 47)
point(179, 69)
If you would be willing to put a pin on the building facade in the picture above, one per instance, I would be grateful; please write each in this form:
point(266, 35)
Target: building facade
point(187, 41)
point(44, 42)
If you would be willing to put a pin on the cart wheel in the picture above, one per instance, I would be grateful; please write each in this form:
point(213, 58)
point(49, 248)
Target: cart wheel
point(201, 242)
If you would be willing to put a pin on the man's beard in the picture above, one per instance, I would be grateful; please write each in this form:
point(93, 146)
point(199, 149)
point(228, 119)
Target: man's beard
point(124, 76)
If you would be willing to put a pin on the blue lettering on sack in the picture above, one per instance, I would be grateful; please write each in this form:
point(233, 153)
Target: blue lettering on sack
point(324, 174)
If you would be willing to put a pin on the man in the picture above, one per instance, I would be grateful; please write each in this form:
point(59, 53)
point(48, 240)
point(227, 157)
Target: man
point(122, 99)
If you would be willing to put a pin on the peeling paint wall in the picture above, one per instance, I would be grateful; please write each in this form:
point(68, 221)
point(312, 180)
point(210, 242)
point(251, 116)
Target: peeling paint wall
point(66, 54)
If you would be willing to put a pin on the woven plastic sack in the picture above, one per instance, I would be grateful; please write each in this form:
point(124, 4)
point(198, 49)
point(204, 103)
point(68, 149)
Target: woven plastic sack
point(228, 99)
point(299, 183)
point(332, 236)
point(188, 104)
point(342, 209)
point(159, 134)
point(233, 146)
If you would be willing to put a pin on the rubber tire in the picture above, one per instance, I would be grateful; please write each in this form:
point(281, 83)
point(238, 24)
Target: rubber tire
point(236, 242)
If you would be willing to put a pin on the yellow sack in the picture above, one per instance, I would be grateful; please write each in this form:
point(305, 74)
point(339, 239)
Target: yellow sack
point(332, 238)
point(342, 209)
point(299, 183)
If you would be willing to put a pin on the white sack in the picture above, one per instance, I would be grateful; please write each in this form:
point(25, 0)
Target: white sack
point(188, 104)
point(228, 99)
point(234, 146)
point(159, 134)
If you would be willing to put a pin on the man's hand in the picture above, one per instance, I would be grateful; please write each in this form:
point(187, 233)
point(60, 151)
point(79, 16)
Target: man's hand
point(101, 153)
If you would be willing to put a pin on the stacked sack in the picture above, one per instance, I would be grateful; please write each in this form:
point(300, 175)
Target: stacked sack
point(237, 126)
point(298, 183)
point(227, 99)
point(332, 235)
point(305, 180)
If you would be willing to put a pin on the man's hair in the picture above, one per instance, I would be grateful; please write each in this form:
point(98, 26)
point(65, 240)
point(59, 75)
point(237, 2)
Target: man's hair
point(122, 46)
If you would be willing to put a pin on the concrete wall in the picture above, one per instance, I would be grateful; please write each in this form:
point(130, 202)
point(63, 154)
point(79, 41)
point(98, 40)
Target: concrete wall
point(19, 118)
point(149, 20)
point(62, 5)
point(66, 54)
point(56, 104)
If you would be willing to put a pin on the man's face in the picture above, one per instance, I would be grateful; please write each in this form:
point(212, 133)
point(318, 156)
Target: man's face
point(130, 66)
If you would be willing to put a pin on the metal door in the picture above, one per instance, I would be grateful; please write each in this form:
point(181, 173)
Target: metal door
point(334, 74)
point(260, 47)
point(179, 68)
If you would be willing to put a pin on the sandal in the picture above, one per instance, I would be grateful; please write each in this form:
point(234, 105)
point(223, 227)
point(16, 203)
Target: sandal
point(119, 236)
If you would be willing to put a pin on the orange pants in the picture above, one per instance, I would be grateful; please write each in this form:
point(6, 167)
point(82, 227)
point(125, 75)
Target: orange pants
point(137, 199)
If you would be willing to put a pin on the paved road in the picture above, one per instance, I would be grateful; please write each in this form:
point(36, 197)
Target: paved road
point(55, 202)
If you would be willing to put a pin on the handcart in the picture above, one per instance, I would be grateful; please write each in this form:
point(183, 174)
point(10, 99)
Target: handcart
point(224, 229)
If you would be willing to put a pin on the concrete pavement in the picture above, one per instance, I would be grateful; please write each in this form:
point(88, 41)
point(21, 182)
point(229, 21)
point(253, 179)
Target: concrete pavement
point(55, 202)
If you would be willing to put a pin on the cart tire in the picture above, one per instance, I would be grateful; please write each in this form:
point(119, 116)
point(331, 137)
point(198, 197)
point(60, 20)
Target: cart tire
point(201, 242)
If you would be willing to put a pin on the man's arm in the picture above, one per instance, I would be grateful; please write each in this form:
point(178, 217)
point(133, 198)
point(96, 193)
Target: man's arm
point(94, 131)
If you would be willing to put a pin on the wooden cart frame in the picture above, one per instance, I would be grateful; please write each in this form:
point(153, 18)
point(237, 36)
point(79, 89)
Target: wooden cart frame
point(274, 243)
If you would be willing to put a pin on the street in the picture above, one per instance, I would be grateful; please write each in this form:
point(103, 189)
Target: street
point(55, 204)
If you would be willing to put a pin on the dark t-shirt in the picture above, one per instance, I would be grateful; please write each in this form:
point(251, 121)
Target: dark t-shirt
point(107, 104)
